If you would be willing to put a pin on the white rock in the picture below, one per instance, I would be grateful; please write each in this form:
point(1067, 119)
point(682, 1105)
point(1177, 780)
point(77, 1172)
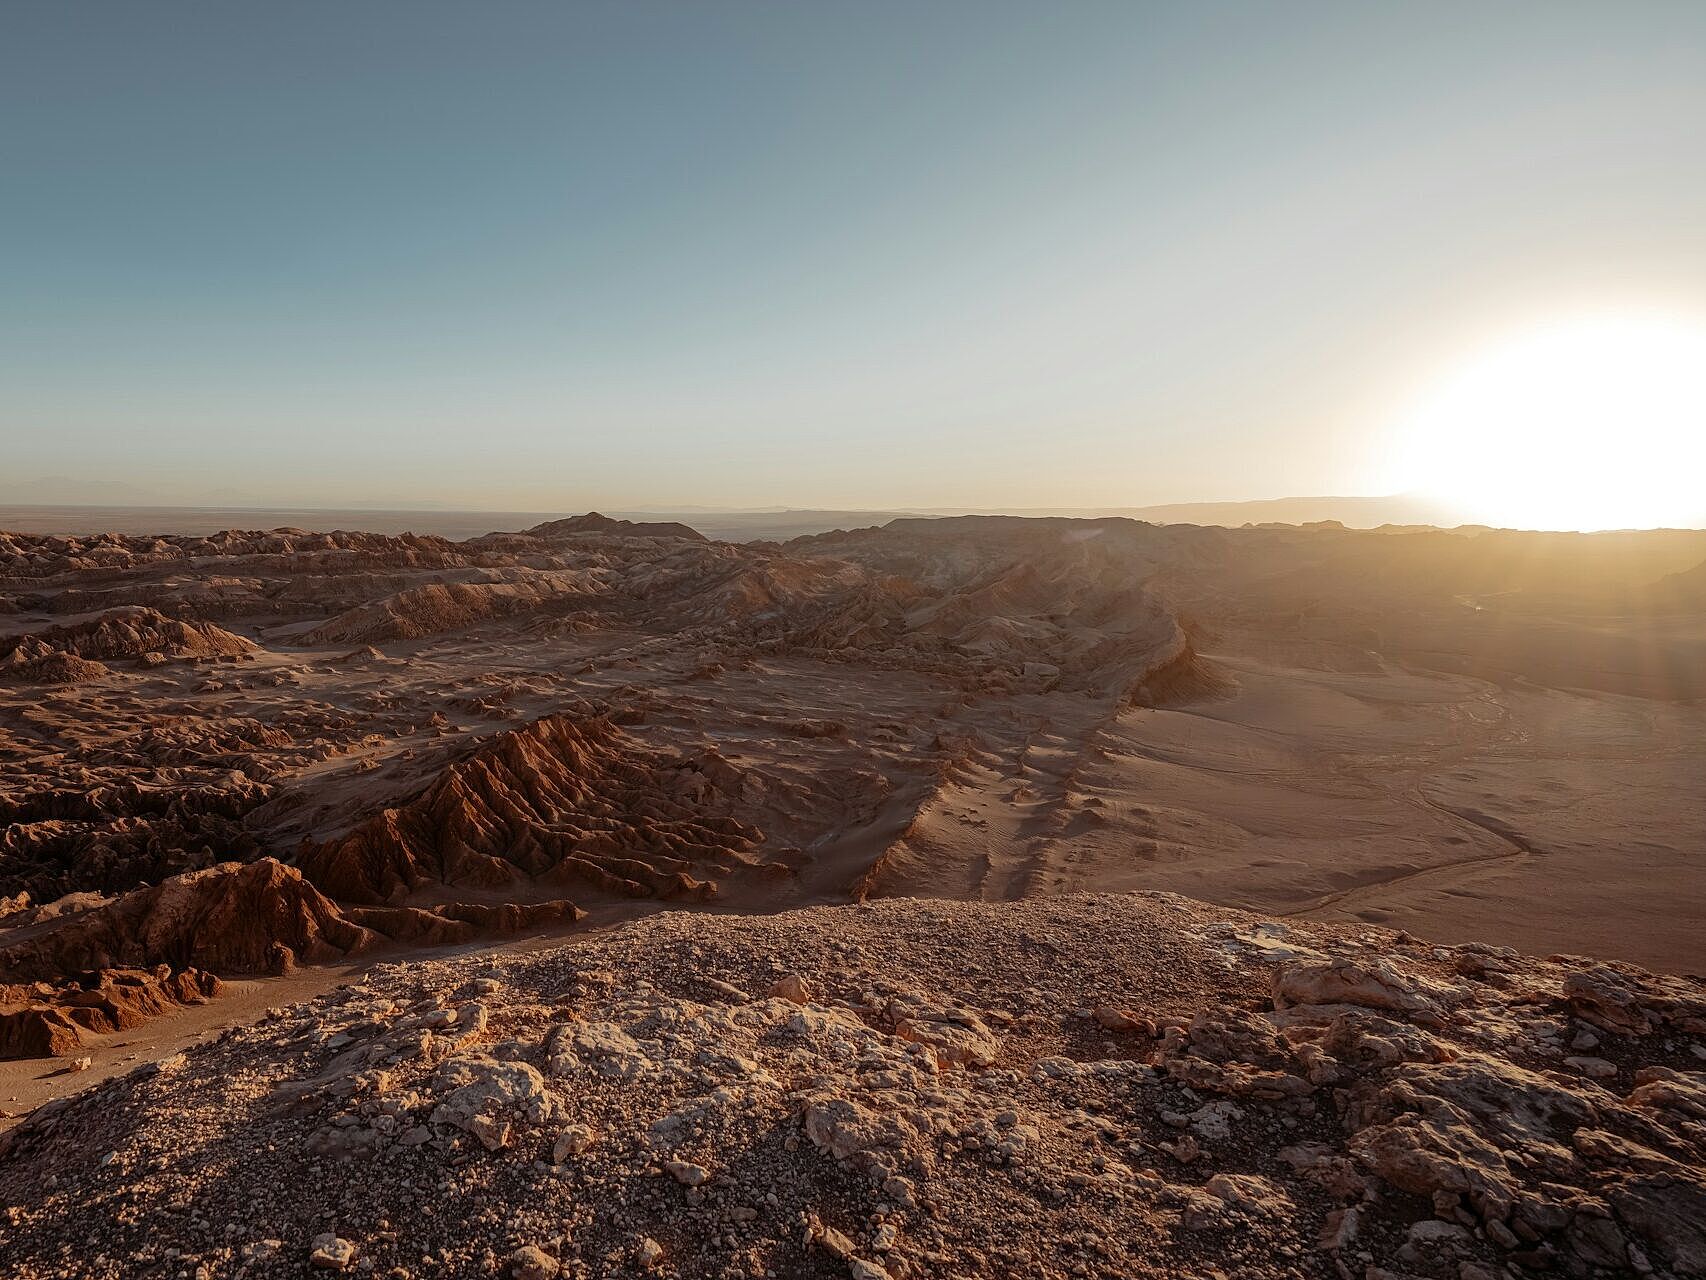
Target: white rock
point(599, 1046)
point(485, 1092)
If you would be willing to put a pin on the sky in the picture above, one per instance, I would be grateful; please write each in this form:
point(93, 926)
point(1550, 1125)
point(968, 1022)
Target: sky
point(555, 256)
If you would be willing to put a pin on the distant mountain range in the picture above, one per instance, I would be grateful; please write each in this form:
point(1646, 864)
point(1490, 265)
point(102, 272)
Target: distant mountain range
point(1356, 512)
point(780, 524)
point(116, 510)
point(61, 504)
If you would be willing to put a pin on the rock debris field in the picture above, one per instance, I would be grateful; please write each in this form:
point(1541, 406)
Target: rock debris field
point(1095, 1085)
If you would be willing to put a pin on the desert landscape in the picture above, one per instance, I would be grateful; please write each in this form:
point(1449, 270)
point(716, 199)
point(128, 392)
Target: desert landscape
point(1281, 898)
point(954, 641)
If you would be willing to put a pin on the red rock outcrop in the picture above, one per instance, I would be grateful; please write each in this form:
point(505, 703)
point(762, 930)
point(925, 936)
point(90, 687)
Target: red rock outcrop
point(109, 836)
point(438, 607)
point(48, 1020)
point(255, 918)
point(259, 917)
point(562, 800)
point(131, 633)
point(450, 923)
point(32, 662)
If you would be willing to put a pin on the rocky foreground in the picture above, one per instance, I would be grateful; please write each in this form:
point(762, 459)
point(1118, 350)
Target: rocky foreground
point(1133, 1085)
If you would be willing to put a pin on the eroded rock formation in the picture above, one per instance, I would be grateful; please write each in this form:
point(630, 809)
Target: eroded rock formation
point(248, 918)
point(258, 917)
point(77, 651)
point(55, 1019)
point(563, 800)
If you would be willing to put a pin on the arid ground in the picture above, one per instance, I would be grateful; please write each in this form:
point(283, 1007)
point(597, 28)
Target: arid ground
point(1245, 844)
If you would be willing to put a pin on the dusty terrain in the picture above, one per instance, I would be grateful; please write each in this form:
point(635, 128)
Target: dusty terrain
point(1095, 1085)
point(241, 767)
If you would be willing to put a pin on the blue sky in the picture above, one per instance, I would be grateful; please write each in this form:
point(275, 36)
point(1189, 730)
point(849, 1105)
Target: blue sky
point(554, 256)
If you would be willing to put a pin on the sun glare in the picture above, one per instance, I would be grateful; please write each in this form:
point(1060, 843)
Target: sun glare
point(1592, 422)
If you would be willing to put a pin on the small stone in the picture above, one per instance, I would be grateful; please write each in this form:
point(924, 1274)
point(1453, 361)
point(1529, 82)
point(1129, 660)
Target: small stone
point(492, 1131)
point(1501, 1235)
point(331, 1253)
point(1341, 1228)
point(1593, 1068)
point(1186, 1150)
point(573, 1141)
point(532, 1263)
point(1112, 1018)
point(650, 1253)
point(792, 987)
point(687, 1173)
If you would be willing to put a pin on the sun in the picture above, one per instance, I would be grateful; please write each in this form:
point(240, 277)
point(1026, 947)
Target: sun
point(1592, 421)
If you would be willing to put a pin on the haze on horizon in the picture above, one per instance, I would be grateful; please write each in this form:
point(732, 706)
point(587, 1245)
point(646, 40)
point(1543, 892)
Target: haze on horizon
point(534, 257)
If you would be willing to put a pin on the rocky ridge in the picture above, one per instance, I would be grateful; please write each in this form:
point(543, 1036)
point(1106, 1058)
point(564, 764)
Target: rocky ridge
point(79, 651)
point(563, 800)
